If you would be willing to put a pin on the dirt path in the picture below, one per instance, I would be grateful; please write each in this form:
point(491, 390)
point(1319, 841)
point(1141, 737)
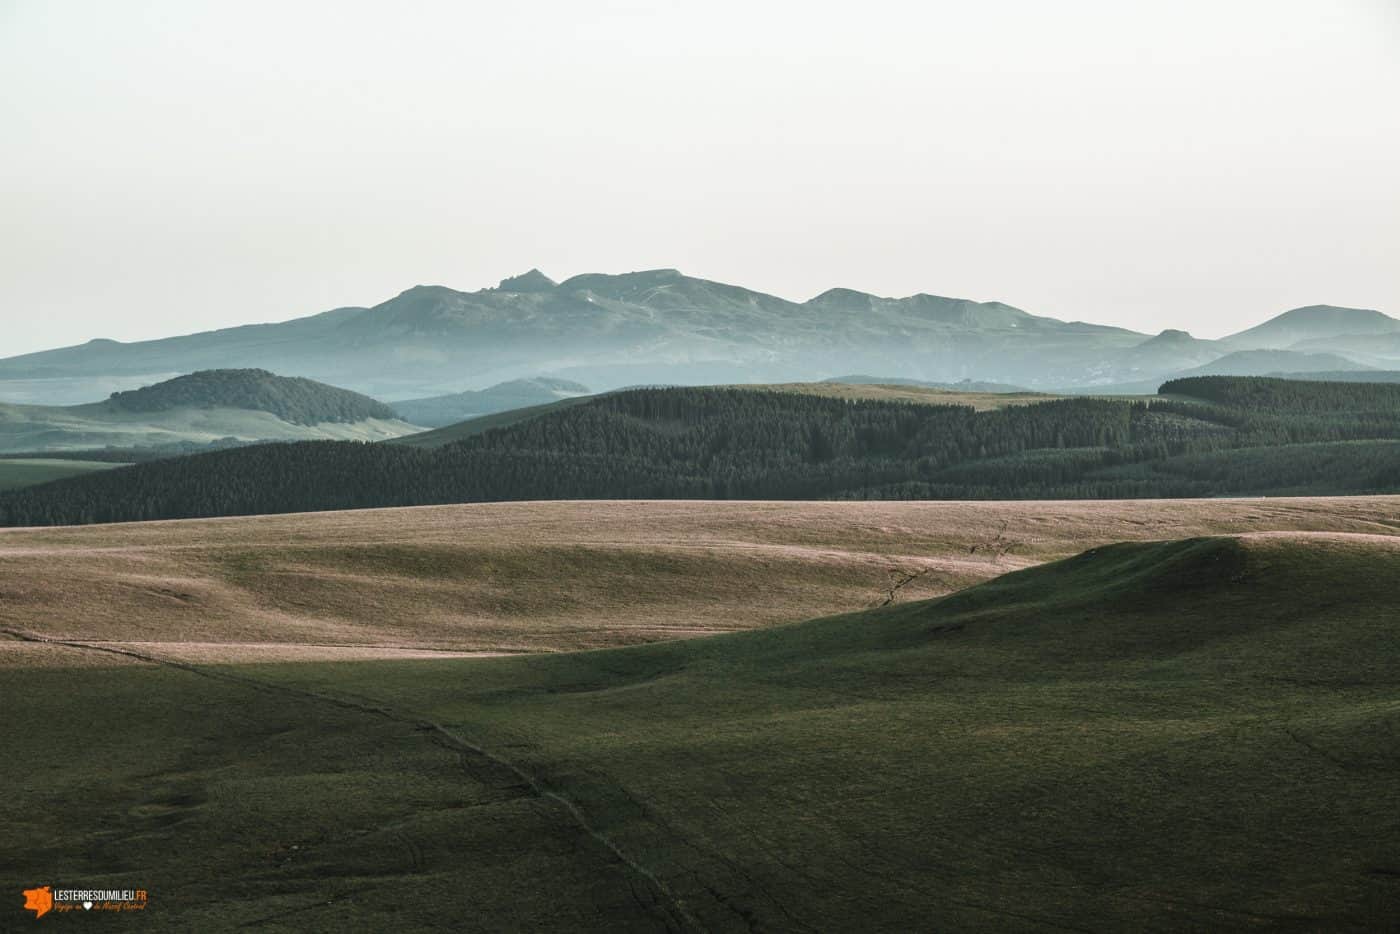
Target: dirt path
point(676, 917)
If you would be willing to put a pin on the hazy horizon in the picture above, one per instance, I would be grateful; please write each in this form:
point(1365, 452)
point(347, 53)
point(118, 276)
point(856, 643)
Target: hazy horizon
point(172, 169)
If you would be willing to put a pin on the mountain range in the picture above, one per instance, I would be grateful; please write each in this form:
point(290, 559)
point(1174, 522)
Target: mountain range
point(660, 326)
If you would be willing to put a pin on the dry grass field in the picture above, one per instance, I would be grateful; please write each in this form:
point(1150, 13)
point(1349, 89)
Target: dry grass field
point(278, 723)
point(925, 395)
point(549, 577)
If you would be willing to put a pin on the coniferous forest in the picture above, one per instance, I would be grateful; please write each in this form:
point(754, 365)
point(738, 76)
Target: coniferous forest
point(1207, 436)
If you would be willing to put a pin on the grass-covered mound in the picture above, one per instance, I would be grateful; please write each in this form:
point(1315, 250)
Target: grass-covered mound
point(1148, 736)
point(1188, 735)
point(292, 399)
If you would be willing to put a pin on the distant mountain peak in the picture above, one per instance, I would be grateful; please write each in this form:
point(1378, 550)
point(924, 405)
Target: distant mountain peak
point(532, 281)
point(1330, 311)
point(420, 291)
point(843, 299)
point(1171, 337)
point(1312, 322)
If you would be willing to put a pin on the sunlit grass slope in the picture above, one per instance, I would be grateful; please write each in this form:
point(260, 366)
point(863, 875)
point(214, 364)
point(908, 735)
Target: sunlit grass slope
point(1197, 734)
point(561, 576)
point(1148, 736)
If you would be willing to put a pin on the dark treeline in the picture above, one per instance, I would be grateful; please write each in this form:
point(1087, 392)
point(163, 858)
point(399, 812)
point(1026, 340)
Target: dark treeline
point(122, 455)
point(711, 443)
point(1265, 394)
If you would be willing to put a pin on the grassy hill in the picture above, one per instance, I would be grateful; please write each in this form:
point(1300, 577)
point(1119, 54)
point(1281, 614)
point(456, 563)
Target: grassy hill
point(292, 399)
point(729, 443)
point(978, 400)
point(512, 577)
point(964, 385)
point(1192, 734)
point(214, 406)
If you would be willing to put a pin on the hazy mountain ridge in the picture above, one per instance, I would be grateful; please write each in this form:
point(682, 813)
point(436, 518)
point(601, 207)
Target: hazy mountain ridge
point(1262, 362)
point(439, 411)
point(1310, 323)
point(660, 326)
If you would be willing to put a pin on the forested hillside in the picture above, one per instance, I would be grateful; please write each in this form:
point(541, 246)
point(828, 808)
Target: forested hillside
point(193, 412)
point(292, 399)
point(1213, 437)
point(441, 411)
point(1259, 394)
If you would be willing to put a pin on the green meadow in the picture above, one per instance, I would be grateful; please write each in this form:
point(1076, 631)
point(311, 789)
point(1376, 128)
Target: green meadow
point(1200, 734)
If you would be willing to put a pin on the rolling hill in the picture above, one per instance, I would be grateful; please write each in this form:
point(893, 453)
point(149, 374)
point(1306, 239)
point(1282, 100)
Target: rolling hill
point(1136, 738)
point(1378, 350)
point(652, 327)
point(1210, 436)
point(1292, 364)
point(441, 411)
point(200, 408)
point(1169, 351)
point(862, 388)
point(911, 391)
point(1264, 362)
point(965, 385)
point(550, 577)
point(1310, 324)
point(461, 431)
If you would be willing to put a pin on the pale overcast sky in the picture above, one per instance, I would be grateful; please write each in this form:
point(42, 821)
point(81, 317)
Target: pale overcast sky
point(1204, 164)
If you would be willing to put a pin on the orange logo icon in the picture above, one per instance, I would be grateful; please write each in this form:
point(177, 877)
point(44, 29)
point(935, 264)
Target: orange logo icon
point(39, 901)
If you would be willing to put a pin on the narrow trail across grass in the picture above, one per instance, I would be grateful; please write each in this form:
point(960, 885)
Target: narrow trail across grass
point(675, 915)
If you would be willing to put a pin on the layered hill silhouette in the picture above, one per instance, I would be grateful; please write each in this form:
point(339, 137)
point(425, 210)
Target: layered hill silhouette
point(1211, 436)
point(200, 408)
point(660, 326)
point(1311, 324)
point(439, 411)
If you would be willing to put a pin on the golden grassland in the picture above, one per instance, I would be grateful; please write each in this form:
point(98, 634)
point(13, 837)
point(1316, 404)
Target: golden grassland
point(1166, 736)
point(556, 576)
point(925, 395)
